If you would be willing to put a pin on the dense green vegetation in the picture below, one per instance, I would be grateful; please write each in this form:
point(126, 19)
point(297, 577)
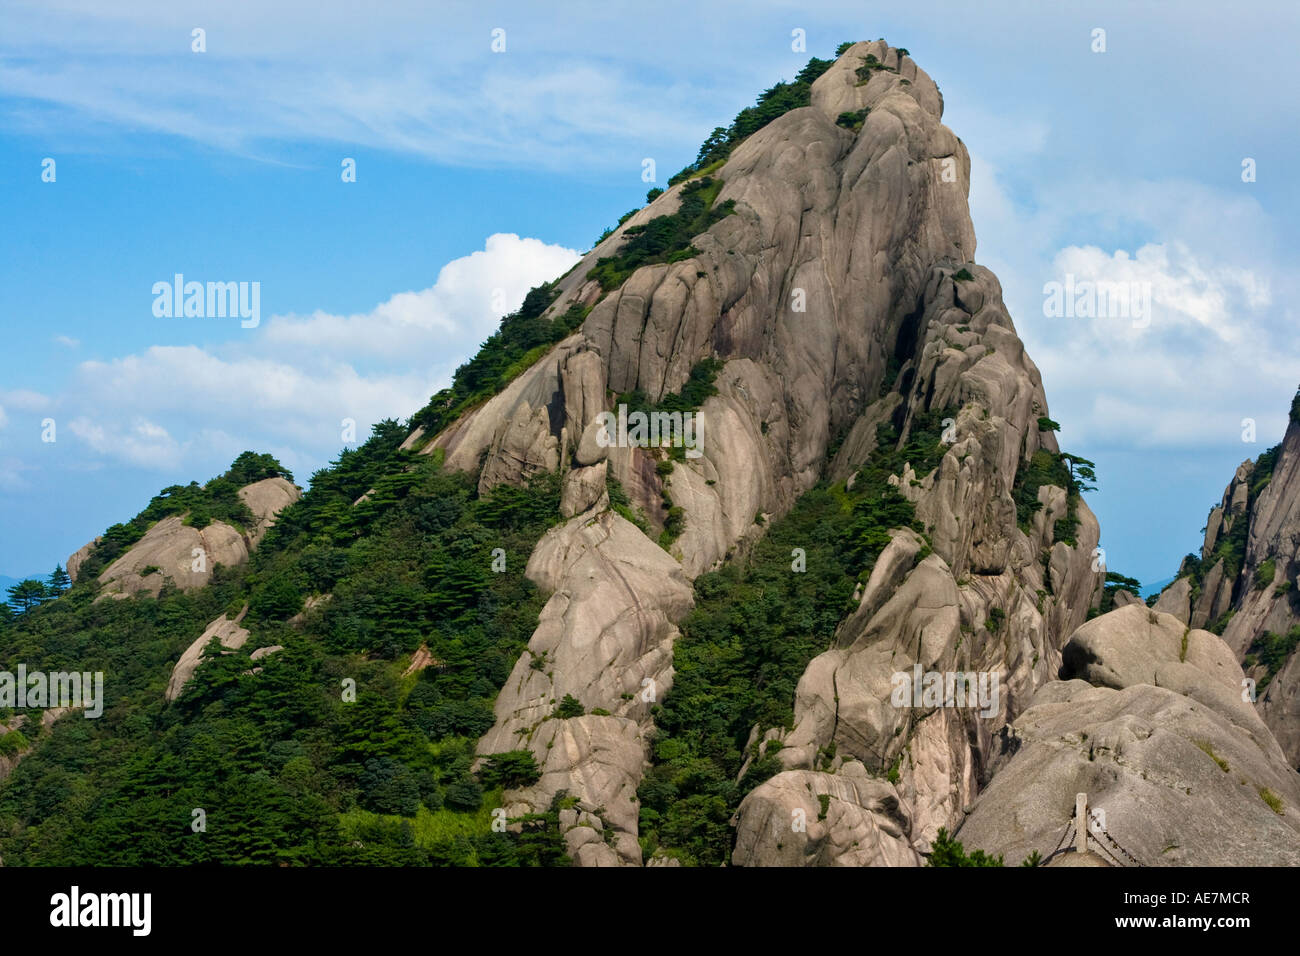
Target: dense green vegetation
point(664, 238)
point(755, 626)
point(288, 764)
point(33, 592)
point(1115, 582)
point(1070, 472)
point(1272, 650)
point(772, 103)
point(523, 338)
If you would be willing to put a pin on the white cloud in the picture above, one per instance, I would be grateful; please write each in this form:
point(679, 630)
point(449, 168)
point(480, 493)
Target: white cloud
point(459, 310)
point(67, 341)
point(141, 442)
point(1183, 294)
point(11, 473)
point(288, 389)
point(1220, 345)
point(25, 400)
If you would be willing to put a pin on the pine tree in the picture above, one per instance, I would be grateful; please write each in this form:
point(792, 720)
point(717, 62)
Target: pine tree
point(27, 594)
point(58, 582)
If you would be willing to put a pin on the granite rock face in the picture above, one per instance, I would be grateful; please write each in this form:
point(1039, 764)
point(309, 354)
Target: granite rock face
point(1245, 586)
point(839, 295)
point(820, 819)
point(1149, 721)
point(605, 639)
point(174, 551)
point(225, 629)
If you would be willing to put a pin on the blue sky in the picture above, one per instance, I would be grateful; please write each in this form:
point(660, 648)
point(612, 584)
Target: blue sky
point(480, 174)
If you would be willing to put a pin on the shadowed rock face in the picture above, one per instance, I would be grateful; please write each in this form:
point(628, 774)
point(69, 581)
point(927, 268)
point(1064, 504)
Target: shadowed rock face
point(1266, 504)
point(933, 611)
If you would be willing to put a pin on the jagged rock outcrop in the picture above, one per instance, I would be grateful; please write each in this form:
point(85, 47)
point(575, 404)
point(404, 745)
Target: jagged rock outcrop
point(992, 599)
point(1149, 721)
point(803, 291)
point(78, 557)
point(840, 295)
point(819, 819)
point(1245, 581)
point(173, 551)
point(604, 638)
point(224, 629)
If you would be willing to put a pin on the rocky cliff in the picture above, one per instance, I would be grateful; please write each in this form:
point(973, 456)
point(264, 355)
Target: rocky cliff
point(841, 296)
point(1242, 585)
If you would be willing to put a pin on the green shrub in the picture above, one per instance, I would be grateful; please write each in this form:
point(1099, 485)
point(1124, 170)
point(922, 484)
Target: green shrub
point(871, 65)
point(664, 238)
point(1264, 574)
point(1273, 800)
point(568, 707)
point(852, 119)
point(1070, 472)
point(12, 744)
point(511, 770)
point(772, 104)
point(945, 851)
point(1272, 651)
